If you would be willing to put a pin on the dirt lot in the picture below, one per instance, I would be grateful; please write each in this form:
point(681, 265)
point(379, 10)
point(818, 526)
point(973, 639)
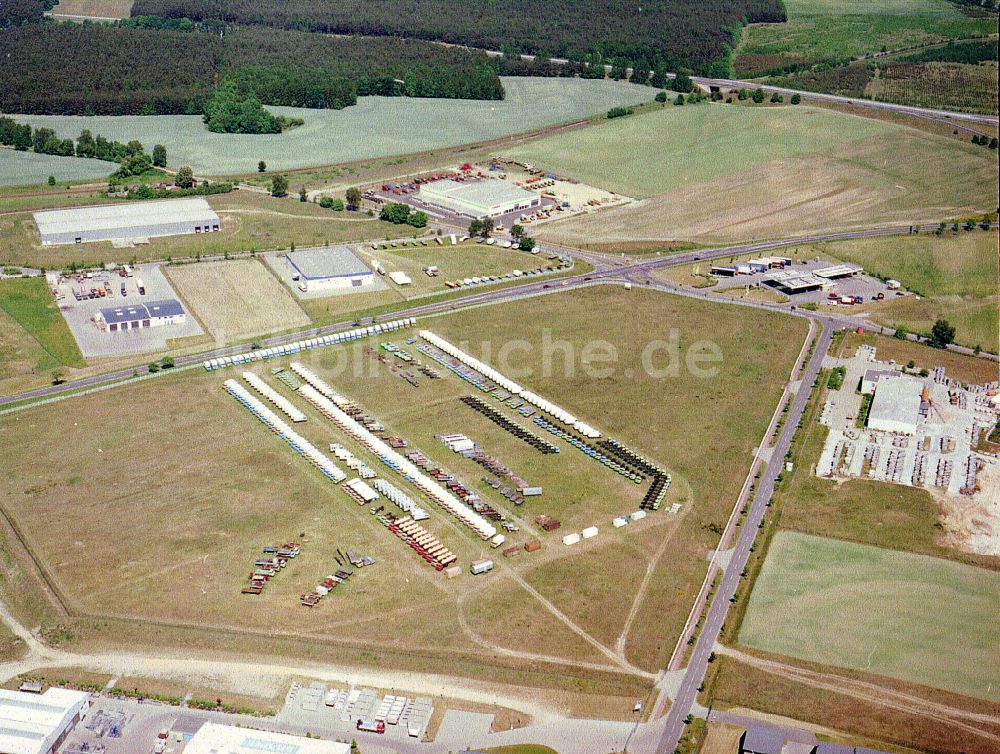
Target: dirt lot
point(200, 486)
point(235, 299)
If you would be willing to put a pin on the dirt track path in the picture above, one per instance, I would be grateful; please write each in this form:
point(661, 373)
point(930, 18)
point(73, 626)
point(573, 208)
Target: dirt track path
point(873, 694)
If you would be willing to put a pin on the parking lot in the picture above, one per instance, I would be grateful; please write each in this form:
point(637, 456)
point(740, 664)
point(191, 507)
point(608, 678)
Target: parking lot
point(117, 292)
point(862, 285)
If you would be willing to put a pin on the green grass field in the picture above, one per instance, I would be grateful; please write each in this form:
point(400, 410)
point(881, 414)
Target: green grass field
point(28, 302)
point(375, 127)
point(28, 168)
point(723, 173)
point(250, 222)
point(668, 149)
point(827, 30)
point(891, 613)
point(955, 276)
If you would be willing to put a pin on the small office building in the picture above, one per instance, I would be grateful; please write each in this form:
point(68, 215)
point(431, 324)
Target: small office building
point(328, 267)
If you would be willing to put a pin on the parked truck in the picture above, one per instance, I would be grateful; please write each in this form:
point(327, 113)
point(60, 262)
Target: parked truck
point(371, 726)
point(141, 286)
point(481, 566)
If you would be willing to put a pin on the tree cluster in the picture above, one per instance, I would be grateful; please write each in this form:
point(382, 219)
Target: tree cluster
point(132, 157)
point(400, 214)
point(229, 111)
point(124, 70)
point(699, 32)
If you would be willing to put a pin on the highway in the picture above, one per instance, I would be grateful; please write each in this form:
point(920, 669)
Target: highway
point(694, 674)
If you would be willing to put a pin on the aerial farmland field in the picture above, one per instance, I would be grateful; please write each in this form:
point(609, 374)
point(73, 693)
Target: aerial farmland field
point(907, 616)
point(954, 275)
point(717, 173)
point(826, 30)
point(236, 298)
point(206, 486)
point(23, 168)
point(375, 127)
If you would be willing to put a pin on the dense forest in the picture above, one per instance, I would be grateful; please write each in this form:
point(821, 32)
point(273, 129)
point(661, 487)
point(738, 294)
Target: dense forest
point(93, 69)
point(682, 32)
point(956, 52)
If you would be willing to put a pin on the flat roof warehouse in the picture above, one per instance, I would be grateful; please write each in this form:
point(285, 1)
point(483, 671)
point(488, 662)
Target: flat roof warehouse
point(327, 262)
point(129, 220)
point(478, 198)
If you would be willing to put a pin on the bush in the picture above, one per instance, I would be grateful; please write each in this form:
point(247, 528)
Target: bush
point(394, 212)
point(661, 97)
point(619, 112)
point(796, 99)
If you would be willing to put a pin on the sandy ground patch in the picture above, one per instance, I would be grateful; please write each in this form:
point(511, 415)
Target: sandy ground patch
point(973, 523)
point(236, 299)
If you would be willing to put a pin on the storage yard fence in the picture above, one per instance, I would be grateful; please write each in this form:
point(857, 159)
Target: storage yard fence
point(309, 343)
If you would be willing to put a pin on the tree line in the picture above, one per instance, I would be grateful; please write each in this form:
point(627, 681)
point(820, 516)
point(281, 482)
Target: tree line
point(688, 33)
point(131, 157)
point(89, 69)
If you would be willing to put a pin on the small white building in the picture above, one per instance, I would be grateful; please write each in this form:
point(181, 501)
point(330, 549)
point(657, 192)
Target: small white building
point(328, 267)
point(872, 376)
point(39, 723)
point(896, 405)
point(213, 738)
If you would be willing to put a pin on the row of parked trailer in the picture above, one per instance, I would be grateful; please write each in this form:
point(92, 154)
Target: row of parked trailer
point(326, 404)
point(589, 450)
point(299, 444)
point(309, 343)
point(285, 405)
point(400, 499)
point(486, 370)
point(422, 541)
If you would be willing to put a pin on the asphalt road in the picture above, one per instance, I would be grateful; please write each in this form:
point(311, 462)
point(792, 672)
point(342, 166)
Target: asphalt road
point(604, 273)
point(698, 665)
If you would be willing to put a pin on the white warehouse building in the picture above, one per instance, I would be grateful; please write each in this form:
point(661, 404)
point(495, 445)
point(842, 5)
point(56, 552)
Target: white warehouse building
point(39, 723)
point(896, 405)
point(127, 221)
point(327, 267)
point(486, 198)
point(213, 738)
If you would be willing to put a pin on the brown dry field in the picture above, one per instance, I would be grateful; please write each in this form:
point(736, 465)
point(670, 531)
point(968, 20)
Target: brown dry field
point(862, 721)
point(852, 189)
point(97, 8)
point(173, 488)
point(236, 299)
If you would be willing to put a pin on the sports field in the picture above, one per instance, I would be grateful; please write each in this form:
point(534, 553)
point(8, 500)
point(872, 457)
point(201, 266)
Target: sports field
point(28, 168)
point(375, 127)
point(235, 299)
point(200, 485)
point(718, 173)
point(954, 275)
point(908, 616)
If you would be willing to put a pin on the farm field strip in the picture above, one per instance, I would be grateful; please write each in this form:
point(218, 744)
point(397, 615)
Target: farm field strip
point(893, 613)
point(375, 127)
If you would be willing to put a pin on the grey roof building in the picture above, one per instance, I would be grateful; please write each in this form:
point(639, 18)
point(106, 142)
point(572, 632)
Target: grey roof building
point(329, 267)
point(762, 740)
point(127, 220)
